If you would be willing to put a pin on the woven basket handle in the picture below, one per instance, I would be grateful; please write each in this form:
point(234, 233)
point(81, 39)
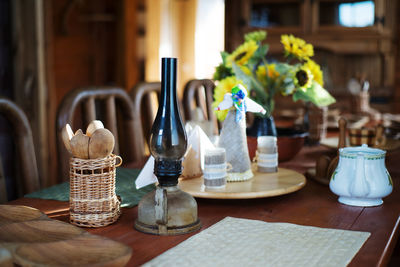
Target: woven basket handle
point(120, 161)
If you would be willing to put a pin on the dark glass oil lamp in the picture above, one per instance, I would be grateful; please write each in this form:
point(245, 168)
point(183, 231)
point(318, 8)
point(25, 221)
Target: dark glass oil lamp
point(168, 210)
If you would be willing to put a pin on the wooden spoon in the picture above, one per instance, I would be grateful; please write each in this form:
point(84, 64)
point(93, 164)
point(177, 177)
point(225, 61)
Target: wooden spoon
point(66, 135)
point(101, 144)
point(80, 145)
point(93, 126)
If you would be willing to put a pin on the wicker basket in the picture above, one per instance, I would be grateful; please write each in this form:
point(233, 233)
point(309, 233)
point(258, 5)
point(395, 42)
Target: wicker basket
point(93, 202)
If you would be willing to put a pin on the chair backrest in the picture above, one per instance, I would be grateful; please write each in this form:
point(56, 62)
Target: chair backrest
point(109, 104)
point(143, 96)
point(27, 179)
point(199, 94)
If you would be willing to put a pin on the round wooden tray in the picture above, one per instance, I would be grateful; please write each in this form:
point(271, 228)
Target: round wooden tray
point(261, 185)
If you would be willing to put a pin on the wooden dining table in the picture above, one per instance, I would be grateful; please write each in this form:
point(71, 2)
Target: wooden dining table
point(313, 205)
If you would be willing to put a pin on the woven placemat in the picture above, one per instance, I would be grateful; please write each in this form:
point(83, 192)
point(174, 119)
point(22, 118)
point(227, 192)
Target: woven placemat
point(243, 242)
point(124, 187)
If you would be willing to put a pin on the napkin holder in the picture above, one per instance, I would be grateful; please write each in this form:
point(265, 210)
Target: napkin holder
point(93, 202)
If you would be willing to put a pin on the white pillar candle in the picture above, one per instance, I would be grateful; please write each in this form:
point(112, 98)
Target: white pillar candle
point(214, 173)
point(267, 154)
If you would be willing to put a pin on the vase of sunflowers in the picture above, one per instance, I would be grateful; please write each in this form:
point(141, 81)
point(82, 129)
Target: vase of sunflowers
point(298, 76)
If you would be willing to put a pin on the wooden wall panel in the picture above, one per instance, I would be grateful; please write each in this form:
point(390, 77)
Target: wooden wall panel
point(86, 47)
point(84, 44)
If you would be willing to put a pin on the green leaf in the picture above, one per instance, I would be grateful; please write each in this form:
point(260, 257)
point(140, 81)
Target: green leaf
point(283, 68)
point(221, 72)
point(315, 94)
point(261, 51)
point(224, 55)
point(252, 84)
point(258, 56)
point(257, 36)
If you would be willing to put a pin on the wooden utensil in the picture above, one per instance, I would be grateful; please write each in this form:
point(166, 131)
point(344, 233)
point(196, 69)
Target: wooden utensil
point(80, 145)
point(380, 138)
point(17, 213)
point(66, 135)
point(342, 143)
point(88, 250)
point(38, 231)
point(101, 144)
point(93, 126)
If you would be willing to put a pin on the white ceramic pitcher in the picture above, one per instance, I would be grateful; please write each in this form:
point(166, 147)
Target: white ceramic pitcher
point(361, 178)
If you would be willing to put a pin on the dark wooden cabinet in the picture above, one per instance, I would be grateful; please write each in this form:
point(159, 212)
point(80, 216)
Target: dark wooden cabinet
point(343, 49)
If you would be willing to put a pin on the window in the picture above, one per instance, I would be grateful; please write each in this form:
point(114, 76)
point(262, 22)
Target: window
point(347, 14)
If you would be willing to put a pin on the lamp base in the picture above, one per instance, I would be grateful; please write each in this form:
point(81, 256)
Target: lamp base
point(178, 230)
point(167, 211)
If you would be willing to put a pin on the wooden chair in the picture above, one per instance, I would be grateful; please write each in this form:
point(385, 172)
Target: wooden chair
point(112, 106)
point(27, 178)
point(199, 93)
point(145, 108)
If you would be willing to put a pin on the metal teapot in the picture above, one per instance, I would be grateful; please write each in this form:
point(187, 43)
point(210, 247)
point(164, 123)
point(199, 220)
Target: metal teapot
point(361, 177)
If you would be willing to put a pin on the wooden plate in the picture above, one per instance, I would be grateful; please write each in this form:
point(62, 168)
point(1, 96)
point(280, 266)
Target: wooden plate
point(261, 185)
point(88, 250)
point(18, 213)
point(38, 231)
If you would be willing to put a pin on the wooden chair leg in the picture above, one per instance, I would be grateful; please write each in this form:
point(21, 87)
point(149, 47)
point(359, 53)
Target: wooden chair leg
point(3, 188)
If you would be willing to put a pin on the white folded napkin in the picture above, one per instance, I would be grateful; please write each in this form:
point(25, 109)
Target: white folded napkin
point(198, 142)
point(146, 175)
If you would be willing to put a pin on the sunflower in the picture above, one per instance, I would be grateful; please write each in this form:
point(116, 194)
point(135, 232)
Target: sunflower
point(242, 54)
point(316, 71)
point(261, 74)
point(264, 71)
point(297, 47)
point(303, 78)
point(272, 73)
point(223, 87)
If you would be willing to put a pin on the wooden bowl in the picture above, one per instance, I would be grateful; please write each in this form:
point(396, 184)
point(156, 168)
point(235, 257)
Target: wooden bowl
point(88, 250)
point(38, 231)
point(290, 141)
point(19, 213)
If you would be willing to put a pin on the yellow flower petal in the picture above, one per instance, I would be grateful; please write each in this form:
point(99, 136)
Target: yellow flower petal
point(242, 54)
point(316, 71)
point(297, 47)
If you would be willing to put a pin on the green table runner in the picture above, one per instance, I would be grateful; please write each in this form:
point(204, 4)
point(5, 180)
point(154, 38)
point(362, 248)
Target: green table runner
point(124, 187)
